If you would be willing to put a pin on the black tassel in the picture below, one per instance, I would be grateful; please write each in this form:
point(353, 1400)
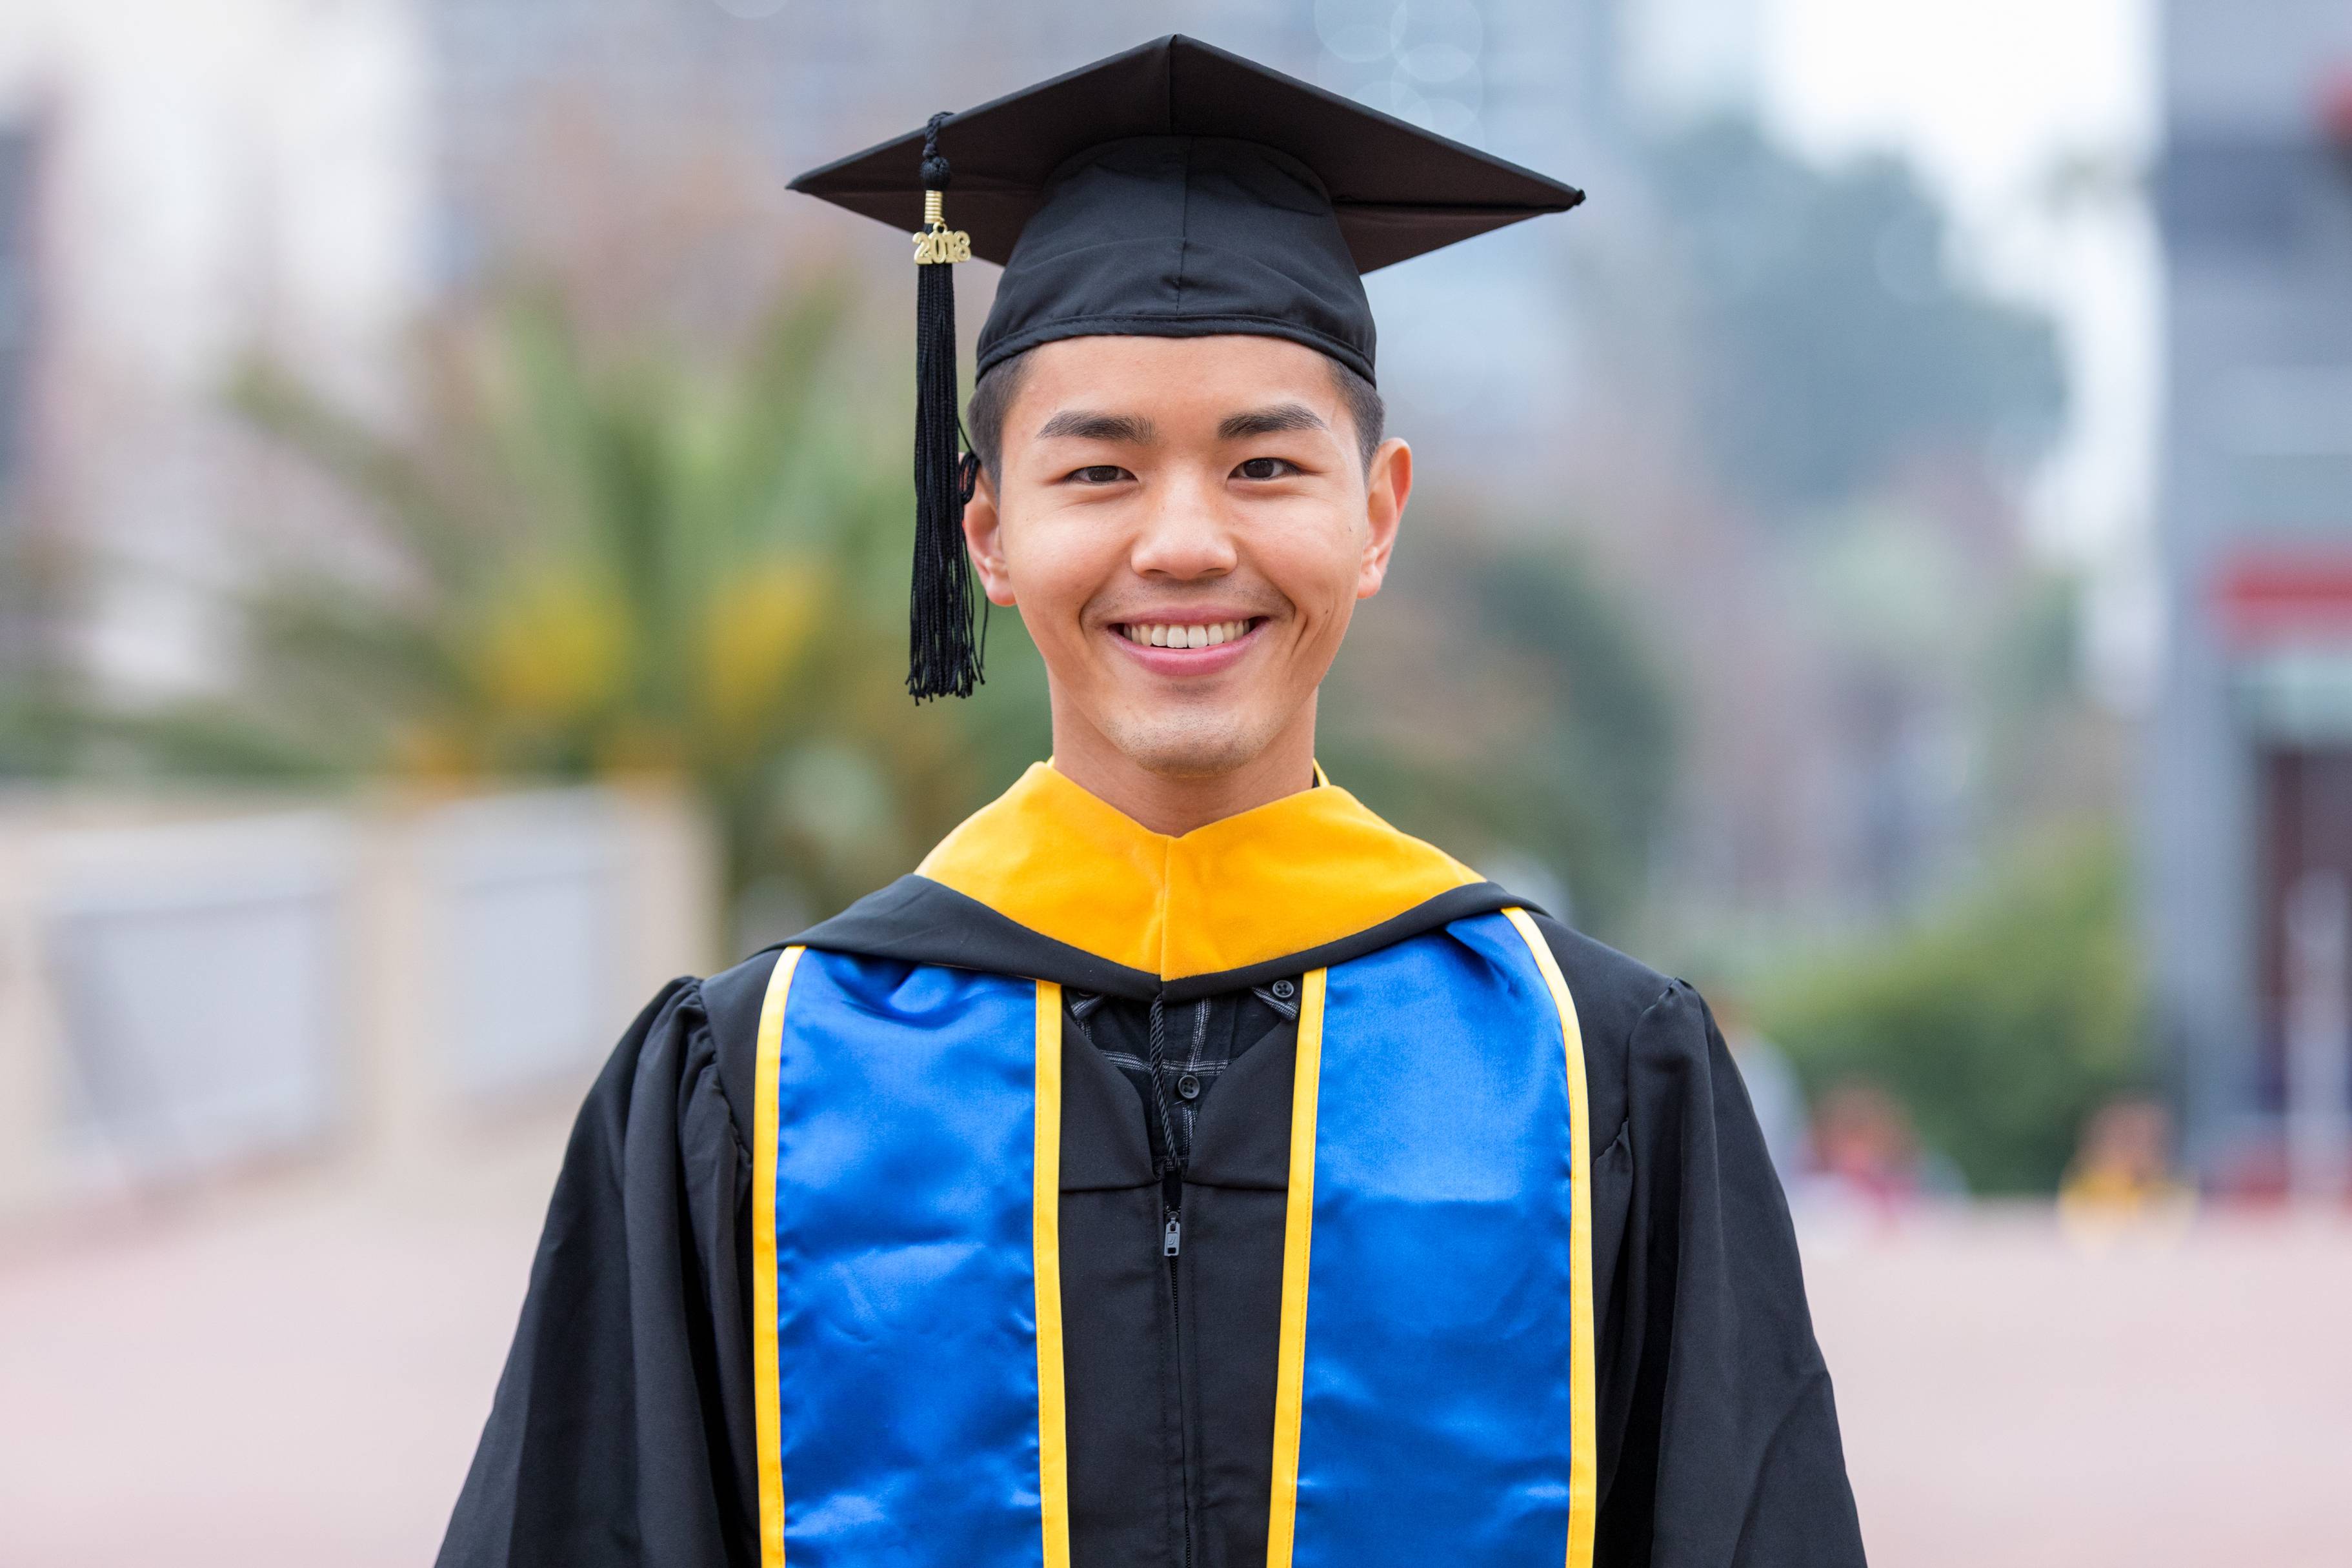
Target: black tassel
point(943, 646)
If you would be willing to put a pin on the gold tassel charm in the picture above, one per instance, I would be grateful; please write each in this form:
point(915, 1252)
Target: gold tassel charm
point(936, 245)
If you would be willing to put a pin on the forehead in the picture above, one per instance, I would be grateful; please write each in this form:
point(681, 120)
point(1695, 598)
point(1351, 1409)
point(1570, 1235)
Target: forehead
point(1173, 381)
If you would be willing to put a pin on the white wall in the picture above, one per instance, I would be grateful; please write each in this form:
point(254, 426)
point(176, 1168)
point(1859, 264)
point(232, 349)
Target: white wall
point(186, 988)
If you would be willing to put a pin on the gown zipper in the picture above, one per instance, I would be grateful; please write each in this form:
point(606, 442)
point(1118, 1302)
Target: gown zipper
point(1172, 1243)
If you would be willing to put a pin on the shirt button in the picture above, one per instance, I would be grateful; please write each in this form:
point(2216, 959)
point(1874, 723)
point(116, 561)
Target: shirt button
point(1283, 988)
point(1189, 1087)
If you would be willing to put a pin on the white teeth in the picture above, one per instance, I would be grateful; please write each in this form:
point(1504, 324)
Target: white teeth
point(1163, 636)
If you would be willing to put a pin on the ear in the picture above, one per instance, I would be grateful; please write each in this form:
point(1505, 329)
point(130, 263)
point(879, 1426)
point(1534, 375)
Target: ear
point(983, 531)
point(1386, 490)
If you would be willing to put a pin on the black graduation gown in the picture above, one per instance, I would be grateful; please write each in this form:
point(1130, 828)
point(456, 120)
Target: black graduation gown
point(622, 1431)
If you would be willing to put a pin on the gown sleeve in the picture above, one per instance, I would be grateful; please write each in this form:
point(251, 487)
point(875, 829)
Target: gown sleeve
point(1729, 1455)
point(622, 1431)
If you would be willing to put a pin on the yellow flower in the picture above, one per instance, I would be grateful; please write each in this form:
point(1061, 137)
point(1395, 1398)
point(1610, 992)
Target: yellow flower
point(758, 628)
point(555, 650)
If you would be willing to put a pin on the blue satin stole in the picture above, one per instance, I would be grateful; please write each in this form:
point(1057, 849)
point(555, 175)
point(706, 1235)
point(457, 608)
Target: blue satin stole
point(1437, 1370)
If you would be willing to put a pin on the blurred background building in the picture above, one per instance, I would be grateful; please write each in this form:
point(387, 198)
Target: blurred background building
point(1882, 557)
point(178, 191)
point(2248, 845)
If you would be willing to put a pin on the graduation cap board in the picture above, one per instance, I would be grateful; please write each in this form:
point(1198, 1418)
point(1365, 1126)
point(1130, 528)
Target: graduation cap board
point(1172, 191)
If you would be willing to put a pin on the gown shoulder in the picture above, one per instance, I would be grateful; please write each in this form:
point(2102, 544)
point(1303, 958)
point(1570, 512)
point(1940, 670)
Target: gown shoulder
point(623, 1429)
point(1720, 1441)
point(730, 1001)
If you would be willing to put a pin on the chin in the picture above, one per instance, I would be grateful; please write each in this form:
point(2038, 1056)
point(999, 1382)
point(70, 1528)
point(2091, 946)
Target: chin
point(1193, 747)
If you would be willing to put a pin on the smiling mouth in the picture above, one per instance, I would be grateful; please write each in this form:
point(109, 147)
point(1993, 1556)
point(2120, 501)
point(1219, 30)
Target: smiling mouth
point(1162, 634)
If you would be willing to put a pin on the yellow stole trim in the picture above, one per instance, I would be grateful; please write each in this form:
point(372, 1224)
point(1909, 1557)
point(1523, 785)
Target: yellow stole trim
point(764, 1260)
point(1583, 1479)
point(1046, 1247)
point(1298, 1247)
point(1045, 1243)
point(1287, 876)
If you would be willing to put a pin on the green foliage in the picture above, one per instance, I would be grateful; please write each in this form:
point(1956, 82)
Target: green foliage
point(34, 736)
point(1498, 700)
point(36, 728)
point(2001, 1024)
point(1833, 336)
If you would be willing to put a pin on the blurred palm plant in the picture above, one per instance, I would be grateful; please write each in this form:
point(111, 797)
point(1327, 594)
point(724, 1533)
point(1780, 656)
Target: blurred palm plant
point(602, 566)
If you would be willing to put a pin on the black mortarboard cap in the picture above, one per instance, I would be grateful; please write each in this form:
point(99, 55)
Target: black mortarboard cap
point(1172, 191)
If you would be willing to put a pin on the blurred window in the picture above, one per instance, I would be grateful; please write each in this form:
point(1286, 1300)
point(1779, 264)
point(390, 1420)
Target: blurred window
point(2240, 199)
point(2306, 842)
point(2287, 436)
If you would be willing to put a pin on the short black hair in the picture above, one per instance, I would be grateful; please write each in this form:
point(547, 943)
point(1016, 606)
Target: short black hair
point(991, 400)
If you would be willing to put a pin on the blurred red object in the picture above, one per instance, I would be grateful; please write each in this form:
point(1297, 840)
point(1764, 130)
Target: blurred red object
point(2273, 595)
point(2335, 106)
point(1864, 1151)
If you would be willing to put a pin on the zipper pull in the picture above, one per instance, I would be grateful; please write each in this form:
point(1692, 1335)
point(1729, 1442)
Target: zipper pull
point(1171, 1237)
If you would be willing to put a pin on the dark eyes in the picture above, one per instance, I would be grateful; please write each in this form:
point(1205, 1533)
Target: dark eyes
point(1254, 468)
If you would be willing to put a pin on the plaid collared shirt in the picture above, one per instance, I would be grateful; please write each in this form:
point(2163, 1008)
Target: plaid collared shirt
point(1197, 1042)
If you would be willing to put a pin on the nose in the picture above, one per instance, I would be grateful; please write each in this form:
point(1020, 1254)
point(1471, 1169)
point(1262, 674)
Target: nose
point(1184, 534)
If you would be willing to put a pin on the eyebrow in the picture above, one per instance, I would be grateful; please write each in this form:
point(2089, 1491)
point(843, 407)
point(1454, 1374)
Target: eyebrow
point(1270, 421)
point(1087, 426)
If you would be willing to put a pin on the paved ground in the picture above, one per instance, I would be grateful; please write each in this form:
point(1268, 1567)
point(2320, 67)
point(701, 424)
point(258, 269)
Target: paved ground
point(2009, 1399)
point(293, 1373)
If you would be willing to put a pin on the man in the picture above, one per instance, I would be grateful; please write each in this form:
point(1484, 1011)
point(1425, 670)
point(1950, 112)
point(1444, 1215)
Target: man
point(1184, 1166)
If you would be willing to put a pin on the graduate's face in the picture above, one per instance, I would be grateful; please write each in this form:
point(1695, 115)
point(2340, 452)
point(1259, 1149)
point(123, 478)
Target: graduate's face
point(1186, 525)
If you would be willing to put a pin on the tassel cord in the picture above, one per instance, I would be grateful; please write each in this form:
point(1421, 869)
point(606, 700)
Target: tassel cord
point(1155, 1061)
point(943, 651)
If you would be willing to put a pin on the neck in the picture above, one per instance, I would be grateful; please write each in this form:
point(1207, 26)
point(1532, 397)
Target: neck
point(1176, 803)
